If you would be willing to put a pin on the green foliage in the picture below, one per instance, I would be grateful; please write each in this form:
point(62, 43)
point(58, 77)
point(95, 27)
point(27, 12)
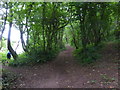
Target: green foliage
point(43, 32)
point(42, 56)
point(22, 60)
point(4, 60)
point(92, 23)
point(3, 57)
point(8, 80)
point(34, 57)
point(88, 55)
point(3, 45)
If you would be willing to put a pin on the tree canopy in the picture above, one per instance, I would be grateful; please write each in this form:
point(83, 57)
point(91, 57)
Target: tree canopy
point(45, 27)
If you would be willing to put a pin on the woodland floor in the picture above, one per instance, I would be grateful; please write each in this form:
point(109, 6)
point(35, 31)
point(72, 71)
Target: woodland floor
point(65, 72)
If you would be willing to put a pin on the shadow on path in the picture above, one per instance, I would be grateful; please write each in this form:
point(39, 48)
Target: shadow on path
point(64, 72)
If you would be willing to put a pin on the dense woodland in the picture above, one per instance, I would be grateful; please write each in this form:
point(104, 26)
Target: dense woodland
point(46, 27)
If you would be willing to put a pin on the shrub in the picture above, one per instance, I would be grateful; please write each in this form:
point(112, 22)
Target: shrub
point(42, 56)
point(22, 60)
point(33, 57)
point(88, 55)
point(3, 58)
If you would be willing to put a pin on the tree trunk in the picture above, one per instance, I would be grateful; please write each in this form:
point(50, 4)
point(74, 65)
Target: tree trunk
point(14, 54)
point(3, 26)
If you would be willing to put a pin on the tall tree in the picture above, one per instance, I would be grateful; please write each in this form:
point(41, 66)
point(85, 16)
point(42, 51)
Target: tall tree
point(14, 54)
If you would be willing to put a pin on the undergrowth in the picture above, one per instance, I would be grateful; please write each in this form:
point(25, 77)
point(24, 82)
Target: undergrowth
point(88, 55)
point(8, 80)
point(34, 57)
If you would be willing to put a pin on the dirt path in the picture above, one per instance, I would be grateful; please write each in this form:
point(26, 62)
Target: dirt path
point(65, 72)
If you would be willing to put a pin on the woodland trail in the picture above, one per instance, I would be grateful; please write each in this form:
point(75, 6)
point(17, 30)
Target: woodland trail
point(65, 72)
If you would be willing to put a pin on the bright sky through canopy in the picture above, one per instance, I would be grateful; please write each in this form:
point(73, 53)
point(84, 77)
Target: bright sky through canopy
point(15, 36)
